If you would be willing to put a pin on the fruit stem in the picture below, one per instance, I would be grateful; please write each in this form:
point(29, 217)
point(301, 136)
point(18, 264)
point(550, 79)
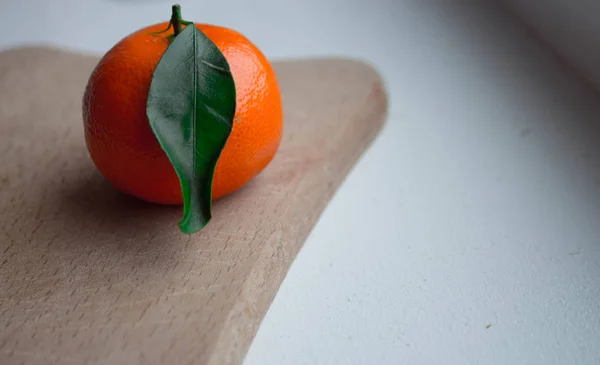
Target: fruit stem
point(176, 20)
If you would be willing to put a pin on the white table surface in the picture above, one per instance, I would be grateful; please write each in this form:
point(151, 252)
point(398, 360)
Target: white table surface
point(469, 233)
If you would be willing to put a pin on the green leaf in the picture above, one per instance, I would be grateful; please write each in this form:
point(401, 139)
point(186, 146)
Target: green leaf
point(191, 105)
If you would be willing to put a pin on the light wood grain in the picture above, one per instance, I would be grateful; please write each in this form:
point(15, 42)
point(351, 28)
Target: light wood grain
point(90, 276)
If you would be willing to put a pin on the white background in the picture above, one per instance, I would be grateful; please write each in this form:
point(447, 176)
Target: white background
point(469, 233)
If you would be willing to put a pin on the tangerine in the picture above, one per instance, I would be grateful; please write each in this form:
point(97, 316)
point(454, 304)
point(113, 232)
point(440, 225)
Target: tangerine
point(118, 134)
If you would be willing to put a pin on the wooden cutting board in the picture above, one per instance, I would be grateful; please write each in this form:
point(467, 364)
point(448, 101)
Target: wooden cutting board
point(90, 276)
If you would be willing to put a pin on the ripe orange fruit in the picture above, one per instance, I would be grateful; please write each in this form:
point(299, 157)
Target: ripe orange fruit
point(118, 134)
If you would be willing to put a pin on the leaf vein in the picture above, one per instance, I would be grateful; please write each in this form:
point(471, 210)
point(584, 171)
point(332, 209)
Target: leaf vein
point(215, 67)
point(182, 63)
point(216, 114)
point(194, 116)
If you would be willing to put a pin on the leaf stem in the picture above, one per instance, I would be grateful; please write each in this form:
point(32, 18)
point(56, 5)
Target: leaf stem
point(176, 20)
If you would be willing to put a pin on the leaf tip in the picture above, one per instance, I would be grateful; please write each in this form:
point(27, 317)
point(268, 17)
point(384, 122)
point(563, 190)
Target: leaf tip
point(190, 226)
